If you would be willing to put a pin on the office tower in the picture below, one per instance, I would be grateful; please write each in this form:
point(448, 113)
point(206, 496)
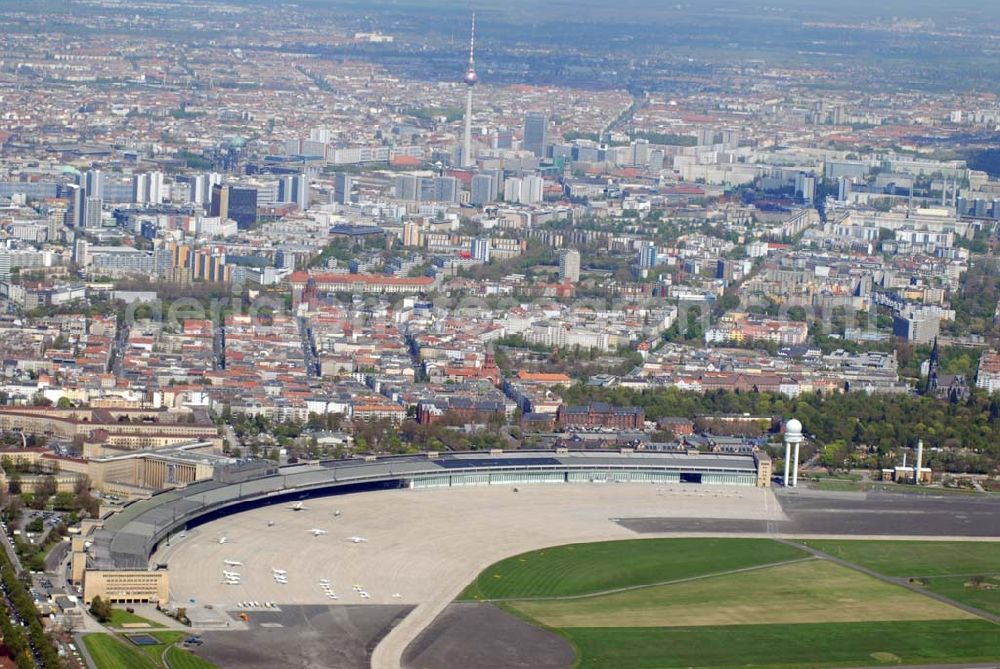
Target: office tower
point(285, 187)
point(243, 206)
point(569, 266)
point(406, 187)
point(535, 129)
point(470, 80)
point(647, 256)
point(844, 186)
point(483, 189)
point(527, 190)
point(206, 183)
point(4, 264)
point(426, 189)
point(657, 159)
point(80, 252)
point(300, 191)
point(94, 183)
point(267, 192)
point(411, 234)
point(343, 184)
point(706, 137)
point(724, 269)
point(140, 188)
point(92, 213)
point(805, 187)
point(512, 190)
point(220, 201)
point(979, 207)
point(446, 189)
point(156, 190)
point(180, 192)
point(497, 175)
point(77, 213)
point(532, 190)
point(56, 219)
point(236, 202)
point(505, 138)
point(200, 188)
point(481, 249)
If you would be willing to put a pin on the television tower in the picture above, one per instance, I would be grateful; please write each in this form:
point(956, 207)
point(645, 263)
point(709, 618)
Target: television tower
point(470, 80)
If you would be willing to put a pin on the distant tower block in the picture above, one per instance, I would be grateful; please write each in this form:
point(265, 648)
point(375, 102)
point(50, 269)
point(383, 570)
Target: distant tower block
point(793, 435)
point(470, 79)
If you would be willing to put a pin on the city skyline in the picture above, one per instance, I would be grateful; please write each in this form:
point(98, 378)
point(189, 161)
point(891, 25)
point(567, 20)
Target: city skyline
point(348, 335)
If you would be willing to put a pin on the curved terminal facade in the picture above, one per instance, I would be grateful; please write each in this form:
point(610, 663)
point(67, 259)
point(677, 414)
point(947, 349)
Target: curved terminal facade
point(114, 561)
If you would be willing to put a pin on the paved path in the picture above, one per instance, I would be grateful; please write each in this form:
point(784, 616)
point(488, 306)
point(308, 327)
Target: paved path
point(56, 557)
point(902, 582)
point(82, 649)
point(11, 554)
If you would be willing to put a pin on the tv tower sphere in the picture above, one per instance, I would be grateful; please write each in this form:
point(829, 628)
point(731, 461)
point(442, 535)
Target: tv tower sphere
point(470, 78)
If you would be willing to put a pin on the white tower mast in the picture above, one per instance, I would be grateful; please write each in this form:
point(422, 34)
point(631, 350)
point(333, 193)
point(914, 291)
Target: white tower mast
point(470, 80)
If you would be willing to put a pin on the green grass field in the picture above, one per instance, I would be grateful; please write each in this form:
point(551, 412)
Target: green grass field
point(727, 603)
point(916, 558)
point(810, 591)
point(166, 638)
point(121, 617)
point(114, 652)
point(178, 658)
point(579, 569)
point(803, 646)
point(109, 652)
point(966, 571)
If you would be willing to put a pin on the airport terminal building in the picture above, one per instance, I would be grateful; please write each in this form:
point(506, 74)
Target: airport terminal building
point(113, 561)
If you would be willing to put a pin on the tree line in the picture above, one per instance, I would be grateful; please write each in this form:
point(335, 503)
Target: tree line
point(959, 437)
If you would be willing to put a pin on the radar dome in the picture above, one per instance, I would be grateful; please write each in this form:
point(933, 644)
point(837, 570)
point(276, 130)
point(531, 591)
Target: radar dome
point(793, 427)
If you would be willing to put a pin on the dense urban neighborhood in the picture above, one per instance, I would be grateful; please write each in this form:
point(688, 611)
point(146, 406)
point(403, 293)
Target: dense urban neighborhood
point(255, 249)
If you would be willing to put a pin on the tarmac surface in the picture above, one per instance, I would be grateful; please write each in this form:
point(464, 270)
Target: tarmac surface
point(302, 637)
point(485, 637)
point(422, 545)
point(811, 512)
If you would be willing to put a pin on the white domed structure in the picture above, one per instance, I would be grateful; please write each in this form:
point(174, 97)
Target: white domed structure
point(793, 437)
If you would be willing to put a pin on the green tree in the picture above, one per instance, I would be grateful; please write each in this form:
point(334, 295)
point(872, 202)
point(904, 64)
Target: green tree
point(100, 609)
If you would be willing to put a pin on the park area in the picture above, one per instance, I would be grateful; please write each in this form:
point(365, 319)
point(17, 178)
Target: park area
point(144, 650)
point(724, 603)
